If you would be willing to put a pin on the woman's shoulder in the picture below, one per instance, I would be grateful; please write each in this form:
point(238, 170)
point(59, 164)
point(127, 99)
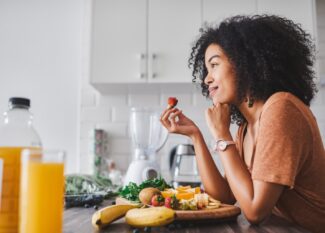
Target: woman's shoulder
point(285, 103)
point(285, 98)
point(286, 108)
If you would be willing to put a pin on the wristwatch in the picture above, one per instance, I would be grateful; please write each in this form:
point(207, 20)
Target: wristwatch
point(221, 145)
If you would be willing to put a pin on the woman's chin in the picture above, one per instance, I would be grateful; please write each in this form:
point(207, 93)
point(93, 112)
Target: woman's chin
point(217, 100)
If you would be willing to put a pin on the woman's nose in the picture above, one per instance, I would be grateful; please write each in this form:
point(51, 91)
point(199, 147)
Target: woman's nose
point(208, 79)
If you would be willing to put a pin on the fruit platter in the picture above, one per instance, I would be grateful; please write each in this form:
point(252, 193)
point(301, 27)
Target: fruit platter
point(155, 203)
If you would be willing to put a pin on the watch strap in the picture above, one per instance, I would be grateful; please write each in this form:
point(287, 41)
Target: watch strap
point(227, 143)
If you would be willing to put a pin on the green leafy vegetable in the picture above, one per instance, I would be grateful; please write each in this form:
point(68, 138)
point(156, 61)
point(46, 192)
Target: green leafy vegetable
point(76, 184)
point(132, 190)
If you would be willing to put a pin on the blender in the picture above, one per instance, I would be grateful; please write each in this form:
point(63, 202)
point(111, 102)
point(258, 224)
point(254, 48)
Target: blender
point(148, 136)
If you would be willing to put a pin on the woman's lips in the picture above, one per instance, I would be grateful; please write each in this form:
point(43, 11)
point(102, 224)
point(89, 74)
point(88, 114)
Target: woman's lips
point(212, 91)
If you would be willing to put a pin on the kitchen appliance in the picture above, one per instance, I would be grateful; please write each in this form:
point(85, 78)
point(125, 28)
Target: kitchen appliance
point(183, 166)
point(148, 137)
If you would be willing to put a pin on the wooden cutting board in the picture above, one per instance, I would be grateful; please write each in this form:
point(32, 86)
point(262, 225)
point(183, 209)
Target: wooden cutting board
point(223, 212)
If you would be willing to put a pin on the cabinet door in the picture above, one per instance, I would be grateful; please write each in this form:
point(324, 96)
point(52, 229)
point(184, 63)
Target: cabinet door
point(300, 11)
point(118, 42)
point(172, 27)
point(214, 11)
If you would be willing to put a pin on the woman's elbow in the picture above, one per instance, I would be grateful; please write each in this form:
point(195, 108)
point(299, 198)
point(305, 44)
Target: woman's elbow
point(255, 218)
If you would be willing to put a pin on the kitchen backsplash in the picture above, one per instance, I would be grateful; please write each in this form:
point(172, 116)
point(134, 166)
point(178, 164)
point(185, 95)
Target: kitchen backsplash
point(111, 113)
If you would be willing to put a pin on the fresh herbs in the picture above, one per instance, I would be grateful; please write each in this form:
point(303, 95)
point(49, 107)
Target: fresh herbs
point(132, 190)
point(76, 184)
point(86, 190)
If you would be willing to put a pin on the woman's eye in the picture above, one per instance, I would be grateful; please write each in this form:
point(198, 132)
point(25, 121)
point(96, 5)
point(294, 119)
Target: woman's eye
point(213, 65)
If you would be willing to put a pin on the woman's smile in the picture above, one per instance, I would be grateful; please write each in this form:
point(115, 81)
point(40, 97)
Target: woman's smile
point(212, 91)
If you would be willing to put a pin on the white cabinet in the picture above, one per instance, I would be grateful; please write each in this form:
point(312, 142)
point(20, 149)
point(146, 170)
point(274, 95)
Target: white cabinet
point(118, 41)
point(300, 11)
point(149, 41)
point(143, 41)
point(214, 11)
point(172, 27)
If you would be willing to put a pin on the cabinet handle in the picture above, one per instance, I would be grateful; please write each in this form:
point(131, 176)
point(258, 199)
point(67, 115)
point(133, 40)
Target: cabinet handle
point(142, 64)
point(153, 63)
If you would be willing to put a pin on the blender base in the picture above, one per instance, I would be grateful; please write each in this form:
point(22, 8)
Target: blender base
point(141, 170)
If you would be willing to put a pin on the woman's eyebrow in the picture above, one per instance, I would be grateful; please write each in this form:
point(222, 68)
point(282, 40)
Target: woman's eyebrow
point(213, 57)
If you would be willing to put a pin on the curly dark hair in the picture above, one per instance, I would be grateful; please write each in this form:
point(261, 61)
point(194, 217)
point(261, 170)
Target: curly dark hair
point(268, 53)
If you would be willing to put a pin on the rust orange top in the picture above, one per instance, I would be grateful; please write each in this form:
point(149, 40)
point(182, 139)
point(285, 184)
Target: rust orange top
point(289, 151)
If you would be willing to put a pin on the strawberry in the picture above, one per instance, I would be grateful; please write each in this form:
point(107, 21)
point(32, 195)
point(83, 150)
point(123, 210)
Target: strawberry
point(168, 201)
point(171, 202)
point(172, 102)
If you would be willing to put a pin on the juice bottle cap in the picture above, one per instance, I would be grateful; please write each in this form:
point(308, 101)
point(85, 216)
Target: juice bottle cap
point(19, 102)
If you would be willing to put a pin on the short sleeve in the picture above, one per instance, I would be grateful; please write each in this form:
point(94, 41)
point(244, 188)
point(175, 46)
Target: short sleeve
point(283, 141)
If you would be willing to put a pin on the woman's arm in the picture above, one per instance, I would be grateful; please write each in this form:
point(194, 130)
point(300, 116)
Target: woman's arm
point(256, 198)
point(214, 183)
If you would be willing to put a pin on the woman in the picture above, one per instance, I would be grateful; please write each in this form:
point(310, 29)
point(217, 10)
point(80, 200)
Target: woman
point(258, 72)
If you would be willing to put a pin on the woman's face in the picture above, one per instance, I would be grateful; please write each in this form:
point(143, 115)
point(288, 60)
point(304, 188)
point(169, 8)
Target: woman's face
point(221, 76)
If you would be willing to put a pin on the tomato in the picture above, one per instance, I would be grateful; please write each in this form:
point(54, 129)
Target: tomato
point(157, 200)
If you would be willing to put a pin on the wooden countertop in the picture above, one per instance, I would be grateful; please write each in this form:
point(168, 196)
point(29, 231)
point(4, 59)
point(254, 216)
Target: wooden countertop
point(78, 220)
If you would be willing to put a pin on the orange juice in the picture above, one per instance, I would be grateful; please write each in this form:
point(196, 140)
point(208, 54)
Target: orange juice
point(42, 189)
point(10, 189)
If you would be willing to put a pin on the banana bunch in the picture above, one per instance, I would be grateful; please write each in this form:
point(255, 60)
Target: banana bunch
point(105, 216)
point(150, 217)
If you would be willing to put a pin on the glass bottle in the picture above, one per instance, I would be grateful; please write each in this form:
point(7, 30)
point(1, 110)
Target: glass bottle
point(115, 175)
point(16, 133)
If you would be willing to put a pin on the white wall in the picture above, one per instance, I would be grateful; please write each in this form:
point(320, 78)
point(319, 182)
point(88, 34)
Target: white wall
point(320, 12)
point(318, 106)
point(40, 58)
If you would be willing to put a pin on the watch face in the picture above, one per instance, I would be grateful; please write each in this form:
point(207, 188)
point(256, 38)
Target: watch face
point(222, 145)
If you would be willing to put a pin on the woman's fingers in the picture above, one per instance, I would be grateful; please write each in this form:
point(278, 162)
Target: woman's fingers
point(164, 119)
point(164, 112)
point(165, 115)
point(181, 116)
point(172, 118)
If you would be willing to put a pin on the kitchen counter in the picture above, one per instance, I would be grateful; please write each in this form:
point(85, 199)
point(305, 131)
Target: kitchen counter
point(78, 220)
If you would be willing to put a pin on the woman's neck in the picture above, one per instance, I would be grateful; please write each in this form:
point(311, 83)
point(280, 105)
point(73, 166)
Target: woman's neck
point(251, 114)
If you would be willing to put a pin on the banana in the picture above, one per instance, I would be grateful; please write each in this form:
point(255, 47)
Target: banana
point(105, 216)
point(150, 217)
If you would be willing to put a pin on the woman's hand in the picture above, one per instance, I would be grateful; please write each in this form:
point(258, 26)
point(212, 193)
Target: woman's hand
point(218, 120)
point(176, 122)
